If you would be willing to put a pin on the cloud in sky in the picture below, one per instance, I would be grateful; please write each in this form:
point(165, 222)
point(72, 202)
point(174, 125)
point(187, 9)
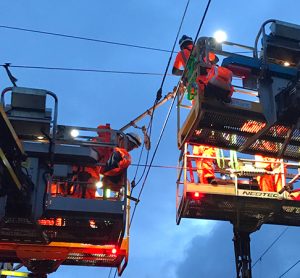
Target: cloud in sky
point(208, 255)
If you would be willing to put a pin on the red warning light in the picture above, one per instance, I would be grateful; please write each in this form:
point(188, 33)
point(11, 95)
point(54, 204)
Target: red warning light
point(197, 195)
point(114, 251)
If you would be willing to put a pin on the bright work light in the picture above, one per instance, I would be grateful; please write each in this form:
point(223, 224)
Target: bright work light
point(74, 133)
point(220, 36)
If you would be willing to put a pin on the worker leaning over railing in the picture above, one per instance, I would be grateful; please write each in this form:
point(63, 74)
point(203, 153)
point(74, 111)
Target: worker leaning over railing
point(116, 160)
point(186, 46)
point(120, 159)
point(210, 79)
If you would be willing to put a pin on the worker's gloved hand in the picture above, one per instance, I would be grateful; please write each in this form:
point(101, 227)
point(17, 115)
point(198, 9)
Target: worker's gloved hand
point(113, 161)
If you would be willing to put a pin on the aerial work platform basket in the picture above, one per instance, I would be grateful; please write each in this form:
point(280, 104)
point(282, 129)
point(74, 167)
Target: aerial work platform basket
point(264, 120)
point(46, 217)
point(236, 199)
point(267, 123)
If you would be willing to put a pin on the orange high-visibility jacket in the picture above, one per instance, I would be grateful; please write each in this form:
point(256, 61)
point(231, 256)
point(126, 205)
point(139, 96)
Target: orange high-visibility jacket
point(205, 166)
point(268, 182)
point(105, 137)
point(182, 57)
point(113, 167)
point(204, 151)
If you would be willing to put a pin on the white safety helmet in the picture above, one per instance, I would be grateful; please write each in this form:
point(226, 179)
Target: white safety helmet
point(134, 138)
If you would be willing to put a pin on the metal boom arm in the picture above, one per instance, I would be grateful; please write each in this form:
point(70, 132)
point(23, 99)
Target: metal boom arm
point(150, 110)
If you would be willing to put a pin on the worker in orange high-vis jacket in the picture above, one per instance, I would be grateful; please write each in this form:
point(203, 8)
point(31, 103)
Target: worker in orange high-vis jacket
point(85, 181)
point(88, 176)
point(119, 160)
point(116, 161)
point(186, 46)
point(205, 166)
point(212, 81)
point(269, 182)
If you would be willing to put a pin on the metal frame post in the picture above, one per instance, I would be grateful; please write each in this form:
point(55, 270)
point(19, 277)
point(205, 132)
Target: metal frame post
point(241, 241)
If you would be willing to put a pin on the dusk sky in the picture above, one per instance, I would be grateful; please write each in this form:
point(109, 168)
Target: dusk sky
point(158, 247)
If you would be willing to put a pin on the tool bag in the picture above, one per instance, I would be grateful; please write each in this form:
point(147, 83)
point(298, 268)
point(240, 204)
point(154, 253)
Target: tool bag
point(218, 84)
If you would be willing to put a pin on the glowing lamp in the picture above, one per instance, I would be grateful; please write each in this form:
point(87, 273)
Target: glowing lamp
point(220, 36)
point(114, 251)
point(74, 133)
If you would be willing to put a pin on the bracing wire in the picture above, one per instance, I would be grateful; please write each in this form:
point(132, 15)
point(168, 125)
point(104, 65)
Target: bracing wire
point(83, 38)
point(153, 156)
point(290, 268)
point(109, 272)
point(166, 120)
point(270, 246)
point(197, 34)
point(159, 92)
point(173, 49)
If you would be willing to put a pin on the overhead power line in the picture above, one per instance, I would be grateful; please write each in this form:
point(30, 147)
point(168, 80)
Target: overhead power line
point(290, 268)
point(97, 40)
point(85, 70)
point(158, 97)
point(270, 246)
point(149, 129)
point(167, 118)
point(84, 38)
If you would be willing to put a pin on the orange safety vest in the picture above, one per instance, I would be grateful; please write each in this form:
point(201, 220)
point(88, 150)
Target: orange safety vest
point(105, 137)
point(202, 150)
point(268, 182)
point(205, 166)
point(122, 165)
point(182, 57)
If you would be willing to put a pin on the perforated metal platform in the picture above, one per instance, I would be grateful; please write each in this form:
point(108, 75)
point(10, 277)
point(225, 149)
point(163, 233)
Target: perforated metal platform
point(249, 207)
point(67, 254)
point(237, 126)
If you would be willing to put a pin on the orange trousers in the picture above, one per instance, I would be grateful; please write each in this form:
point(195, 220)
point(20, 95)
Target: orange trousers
point(205, 166)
